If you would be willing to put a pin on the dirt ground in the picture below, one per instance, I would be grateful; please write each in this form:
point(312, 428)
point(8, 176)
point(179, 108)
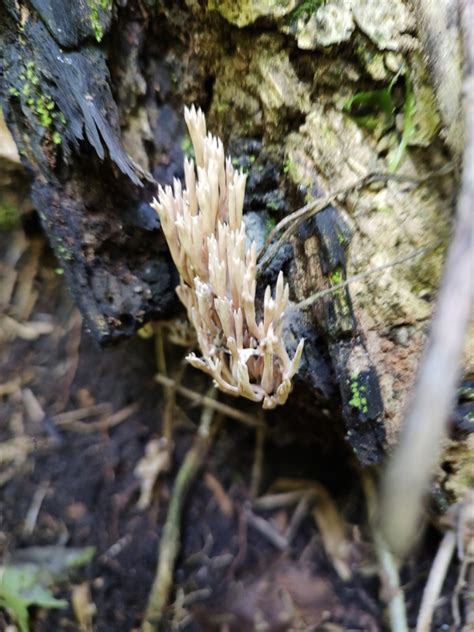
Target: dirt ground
point(78, 420)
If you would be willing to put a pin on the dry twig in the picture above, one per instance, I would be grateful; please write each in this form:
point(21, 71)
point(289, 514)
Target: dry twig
point(197, 398)
point(170, 539)
point(70, 420)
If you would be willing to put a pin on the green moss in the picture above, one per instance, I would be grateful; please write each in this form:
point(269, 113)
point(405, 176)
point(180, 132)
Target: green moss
point(41, 104)
point(222, 107)
point(289, 167)
point(56, 138)
point(336, 277)
point(358, 400)
point(96, 8)
point(9, 216)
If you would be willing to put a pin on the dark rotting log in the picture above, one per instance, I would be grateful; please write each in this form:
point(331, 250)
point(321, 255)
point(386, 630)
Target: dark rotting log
point(92, 198)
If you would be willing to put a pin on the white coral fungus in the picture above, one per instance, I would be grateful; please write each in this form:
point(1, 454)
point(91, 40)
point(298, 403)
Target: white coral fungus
point(206, 237)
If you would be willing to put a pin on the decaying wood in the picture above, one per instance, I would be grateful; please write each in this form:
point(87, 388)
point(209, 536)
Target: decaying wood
point(276, 85)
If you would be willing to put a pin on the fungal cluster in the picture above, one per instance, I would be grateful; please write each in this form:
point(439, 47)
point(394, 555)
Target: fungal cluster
point(203, 226)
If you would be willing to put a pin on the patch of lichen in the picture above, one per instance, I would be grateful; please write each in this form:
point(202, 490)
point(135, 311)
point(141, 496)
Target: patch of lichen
point(42, 105)
point(97, 8)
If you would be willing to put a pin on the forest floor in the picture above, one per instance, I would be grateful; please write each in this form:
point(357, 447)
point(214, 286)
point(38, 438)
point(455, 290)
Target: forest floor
point(76, 420)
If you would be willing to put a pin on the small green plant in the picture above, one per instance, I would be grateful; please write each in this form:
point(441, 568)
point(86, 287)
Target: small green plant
point(28, 582)
point(304, 10)
point(366, 107)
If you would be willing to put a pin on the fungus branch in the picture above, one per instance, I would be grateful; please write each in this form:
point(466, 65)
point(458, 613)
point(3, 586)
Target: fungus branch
point(206, 236)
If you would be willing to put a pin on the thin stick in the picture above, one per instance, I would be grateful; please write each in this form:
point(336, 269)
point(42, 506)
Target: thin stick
point(101, 425)
point(408, 475)
point(435, 581)
point(267, 530)
point(82, 413)
point(171, 536)
point(291, 222)
point(197, 398)
point(396, 603)
point(362, 275)
point(276, 501)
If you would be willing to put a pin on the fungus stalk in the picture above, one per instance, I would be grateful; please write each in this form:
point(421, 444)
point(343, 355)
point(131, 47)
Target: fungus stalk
point(206, 237)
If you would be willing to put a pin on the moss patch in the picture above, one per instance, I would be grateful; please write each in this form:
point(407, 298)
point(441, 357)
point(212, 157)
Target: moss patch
point(41, 104)
point(358, 399)
point(98, 7)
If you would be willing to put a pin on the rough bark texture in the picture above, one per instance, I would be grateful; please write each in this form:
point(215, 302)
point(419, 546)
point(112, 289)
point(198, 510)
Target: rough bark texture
point(309, 96)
